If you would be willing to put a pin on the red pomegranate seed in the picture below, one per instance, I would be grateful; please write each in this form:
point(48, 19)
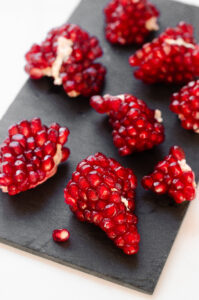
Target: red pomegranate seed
point(68, 55)
point(60, 235)
point(173, 57)
point(130, 21)
point(185, 104)
point(110, 207)
point(30, 155)
point(135, 126)
point(172, 176)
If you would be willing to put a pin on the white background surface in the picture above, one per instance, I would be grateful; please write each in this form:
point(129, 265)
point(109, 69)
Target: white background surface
point(24, 276)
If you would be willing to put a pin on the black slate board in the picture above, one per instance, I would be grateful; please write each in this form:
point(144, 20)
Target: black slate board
point(27, 220)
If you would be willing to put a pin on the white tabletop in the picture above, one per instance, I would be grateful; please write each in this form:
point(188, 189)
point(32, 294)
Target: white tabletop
point(27, 277)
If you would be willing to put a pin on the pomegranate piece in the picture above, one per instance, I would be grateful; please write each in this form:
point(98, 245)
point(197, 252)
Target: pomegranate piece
point(102, 192)
point(185, 104)
point(130, 21)
point(135, 126)
point(67, 55)
point(61, 235)
point(31, 154)
point(172, 176)
point(173, 57)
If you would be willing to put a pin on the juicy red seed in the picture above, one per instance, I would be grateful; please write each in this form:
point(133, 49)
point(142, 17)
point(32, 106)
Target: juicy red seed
point(126, 21)
point(165, 60)
point(174, 178)
point(27, 156)
point(185, 104)
point(134, 129)
point(60, 235)
point(63, 135)
point(79, 74)
point(96, 197)
point(47, 163)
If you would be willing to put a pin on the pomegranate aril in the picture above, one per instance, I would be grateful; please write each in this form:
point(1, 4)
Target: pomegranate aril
point(28, 157)
point(61, 235)
point(185, 104)
point(99, 197)
point(134, 129)
point(68, 56)
point(130, 21)
point(173, 57)
point(177, 178)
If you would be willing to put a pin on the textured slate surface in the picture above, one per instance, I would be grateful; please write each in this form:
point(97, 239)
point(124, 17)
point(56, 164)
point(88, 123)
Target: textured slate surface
point(27, 220)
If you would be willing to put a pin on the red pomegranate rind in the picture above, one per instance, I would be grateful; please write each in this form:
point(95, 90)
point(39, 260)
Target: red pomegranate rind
point(61, 235)
point(102, 192)
point(136, 127)
point(172, 176)
point(185, 104)
point(130, 21)
point(31, 154)
point(173, 57)
point(68, 55)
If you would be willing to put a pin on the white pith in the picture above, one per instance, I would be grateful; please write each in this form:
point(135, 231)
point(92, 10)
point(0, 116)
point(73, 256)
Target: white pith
point(122, 97)
point(180, 42)
point(158, 115)
point(151, 24)
point(57, 159)
point(124, 200)
point(64, 50)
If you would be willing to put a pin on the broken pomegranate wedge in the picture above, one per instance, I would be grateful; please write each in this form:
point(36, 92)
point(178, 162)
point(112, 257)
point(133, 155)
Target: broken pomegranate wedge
point(172, 176)
point(67, 55)
point(185, 104)
point(31, 154)
point(136, 127)
point(173, 57)
point(130, 21)
point(102, 192)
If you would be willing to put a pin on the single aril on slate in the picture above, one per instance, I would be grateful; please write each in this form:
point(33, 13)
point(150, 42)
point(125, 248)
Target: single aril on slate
point(173, 57)
point(172, 176)
point(31, 154)
point(130, 21)
point(61, 235)
point(102, 192)
point(136, 127)
point(68, 55)
point(185, 104)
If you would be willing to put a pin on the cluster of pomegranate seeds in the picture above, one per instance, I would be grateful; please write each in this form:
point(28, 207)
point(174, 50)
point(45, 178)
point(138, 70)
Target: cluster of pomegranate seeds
point(173, 57)
point(67, 55)
point(30, 155)
point(172, 176)
point(185, 104)
point(130, 21)
point(135, 126)
point(60, 235)
point(102, 192)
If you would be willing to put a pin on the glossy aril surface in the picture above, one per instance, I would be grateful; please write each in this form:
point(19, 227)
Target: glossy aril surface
point(68, 55)
point(102, 192)
point(173, 57)
point(60, 235)
point(136, 127)
point(185, 104)
point(172, 176)
point(130, 21)
point(30, 155)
